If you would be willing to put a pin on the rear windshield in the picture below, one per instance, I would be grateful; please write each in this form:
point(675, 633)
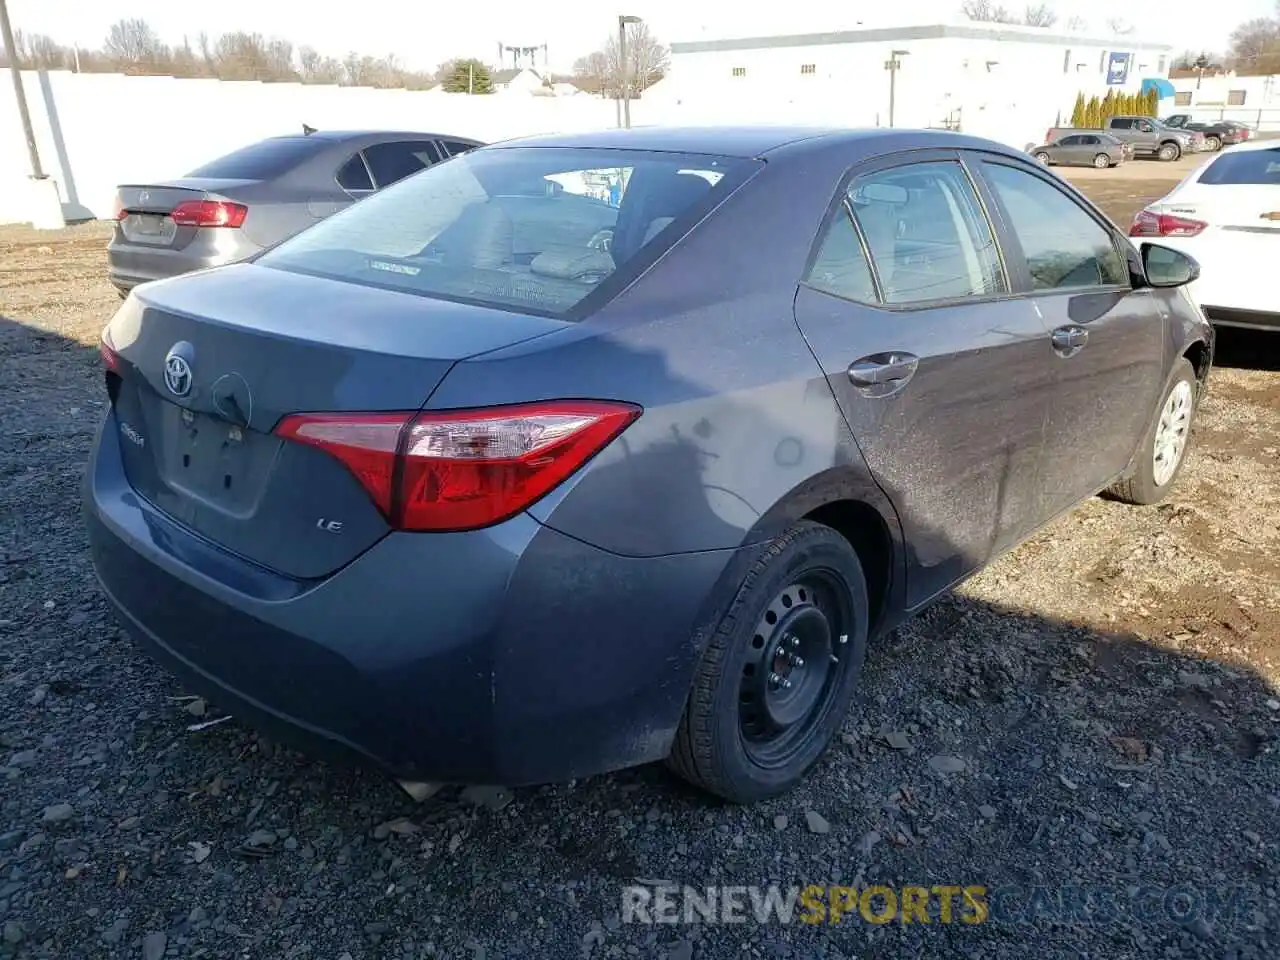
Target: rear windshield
point(525, 228)
point(262, 160)
point(1245, 167)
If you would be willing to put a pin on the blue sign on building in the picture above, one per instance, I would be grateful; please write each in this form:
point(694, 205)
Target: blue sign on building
point(1117, 69)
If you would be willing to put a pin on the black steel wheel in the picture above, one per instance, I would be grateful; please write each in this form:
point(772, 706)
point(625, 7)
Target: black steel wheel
point(779, 670)
point(792, 667)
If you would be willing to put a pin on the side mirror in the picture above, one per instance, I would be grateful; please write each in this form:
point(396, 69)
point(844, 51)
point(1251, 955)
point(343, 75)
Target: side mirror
point(1166, 267)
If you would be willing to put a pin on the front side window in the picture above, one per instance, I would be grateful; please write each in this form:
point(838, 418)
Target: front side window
point(927, 233)
point(529, 229)
point(1065, 248)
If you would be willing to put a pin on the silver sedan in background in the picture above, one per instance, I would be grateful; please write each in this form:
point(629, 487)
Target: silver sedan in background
point(1099, 150)
point(236, 206)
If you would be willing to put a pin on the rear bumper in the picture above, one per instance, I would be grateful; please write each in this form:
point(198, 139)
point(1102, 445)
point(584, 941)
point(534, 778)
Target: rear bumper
point(129, 264)
point(512, 656)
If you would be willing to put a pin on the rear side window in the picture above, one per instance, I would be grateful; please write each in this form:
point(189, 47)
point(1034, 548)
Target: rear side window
point(392, 162)
point(354, 176)
point(840, 267)
point(1245, 168)
point(529, 229)
point(1065, 247)
point(1071, 141)
point(455, 147)
point(262, 160)
point(927, 233)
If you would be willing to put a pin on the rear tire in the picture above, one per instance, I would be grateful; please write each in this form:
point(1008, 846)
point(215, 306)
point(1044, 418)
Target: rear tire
point(799, 617)
point(1102, 161)
point(1169, 152)
point(1164, 446)
point(1043, 158)
point(1213, 143)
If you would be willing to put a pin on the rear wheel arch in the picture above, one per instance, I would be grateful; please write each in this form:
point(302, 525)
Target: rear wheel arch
point(843, 498)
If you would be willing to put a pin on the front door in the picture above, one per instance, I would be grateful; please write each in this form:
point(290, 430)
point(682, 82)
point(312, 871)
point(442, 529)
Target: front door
point(1107, 338)
point(943, 377)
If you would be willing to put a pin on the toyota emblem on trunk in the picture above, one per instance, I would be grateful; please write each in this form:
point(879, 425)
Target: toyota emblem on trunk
point(177, 370)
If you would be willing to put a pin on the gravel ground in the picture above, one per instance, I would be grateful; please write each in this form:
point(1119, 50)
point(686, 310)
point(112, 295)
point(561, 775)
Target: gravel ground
point(1097, 710)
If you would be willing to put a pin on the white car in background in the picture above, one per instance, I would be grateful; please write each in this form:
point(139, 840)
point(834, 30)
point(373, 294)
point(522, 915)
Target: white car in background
point(1226, 215)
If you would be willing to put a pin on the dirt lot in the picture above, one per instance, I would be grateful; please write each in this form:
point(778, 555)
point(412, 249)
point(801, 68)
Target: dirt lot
point(1097, 710)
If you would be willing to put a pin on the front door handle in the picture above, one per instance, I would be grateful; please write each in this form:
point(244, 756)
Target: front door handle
point(883, 369)
point(1069, 340)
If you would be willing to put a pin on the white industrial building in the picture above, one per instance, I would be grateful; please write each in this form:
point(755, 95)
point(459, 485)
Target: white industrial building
point(1005, 82)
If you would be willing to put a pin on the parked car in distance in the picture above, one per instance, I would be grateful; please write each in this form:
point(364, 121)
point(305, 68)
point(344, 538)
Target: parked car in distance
point(1148, 136)
point(1227, 216)
point(237, 205)
point(1099, 150)
point(1217, 134)
point(554, 485)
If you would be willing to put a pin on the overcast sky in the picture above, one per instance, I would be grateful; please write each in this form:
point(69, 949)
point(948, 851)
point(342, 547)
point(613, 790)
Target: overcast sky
point(422, 33)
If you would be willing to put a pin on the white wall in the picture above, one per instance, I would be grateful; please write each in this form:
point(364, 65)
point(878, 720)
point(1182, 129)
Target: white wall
point(95, 131)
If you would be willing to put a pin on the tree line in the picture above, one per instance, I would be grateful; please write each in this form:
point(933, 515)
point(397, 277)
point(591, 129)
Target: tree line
point(1253, 48)
point(1093, 113)
point(132, 46)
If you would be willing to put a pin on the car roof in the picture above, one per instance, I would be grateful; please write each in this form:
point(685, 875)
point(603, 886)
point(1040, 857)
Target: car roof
point(337, 136)
point(752, 141)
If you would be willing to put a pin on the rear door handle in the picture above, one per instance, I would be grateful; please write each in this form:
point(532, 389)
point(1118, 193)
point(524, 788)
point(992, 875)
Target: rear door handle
point(1070, 339)
point(881, 369)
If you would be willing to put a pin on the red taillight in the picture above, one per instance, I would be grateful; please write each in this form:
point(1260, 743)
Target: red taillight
point(1151, 224)
point(110, 359)
point(463, 469)
point(209, 213)
point(120, 211)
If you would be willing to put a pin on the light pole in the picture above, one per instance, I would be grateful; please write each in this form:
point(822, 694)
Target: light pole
point(19, 93)
point(893, 65)
point(624, 68)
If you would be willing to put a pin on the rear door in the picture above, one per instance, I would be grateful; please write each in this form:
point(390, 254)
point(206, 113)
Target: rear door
point(1107, 338)
point(942, 375)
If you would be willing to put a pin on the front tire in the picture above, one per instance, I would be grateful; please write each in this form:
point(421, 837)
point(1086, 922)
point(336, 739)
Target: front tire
point(779, 671)
point(1164, 446)
point(1043, 159)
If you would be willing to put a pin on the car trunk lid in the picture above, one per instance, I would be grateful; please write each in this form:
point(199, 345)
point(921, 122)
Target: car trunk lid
point(1249, 208)
point(209, 364)
point(145, 212)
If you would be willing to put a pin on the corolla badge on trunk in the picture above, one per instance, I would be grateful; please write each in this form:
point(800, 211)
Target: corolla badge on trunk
point(177, 369)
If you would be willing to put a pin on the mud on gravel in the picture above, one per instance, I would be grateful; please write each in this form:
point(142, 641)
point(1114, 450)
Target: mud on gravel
point(1097, 711)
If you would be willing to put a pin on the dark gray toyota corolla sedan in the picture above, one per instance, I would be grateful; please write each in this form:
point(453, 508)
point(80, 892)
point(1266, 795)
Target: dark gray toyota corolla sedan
point(584, 451)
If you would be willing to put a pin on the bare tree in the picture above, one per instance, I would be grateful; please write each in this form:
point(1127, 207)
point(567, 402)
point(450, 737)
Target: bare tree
point(647, 61)
point(1039, 15)
point(591, 72)
point(1120, 26)
point(985, 11)
point(314, 67)
point(1077, 24)
point(1253, 40)
point(133, 42)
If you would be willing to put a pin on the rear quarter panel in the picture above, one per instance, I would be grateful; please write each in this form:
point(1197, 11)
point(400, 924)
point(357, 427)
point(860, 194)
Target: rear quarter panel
point(739, 424)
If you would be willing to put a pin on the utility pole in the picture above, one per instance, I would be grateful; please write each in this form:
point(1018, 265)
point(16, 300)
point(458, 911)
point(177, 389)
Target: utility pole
point(893, 65)
point(471, 78)
point(19, 93)
point(624, 67)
